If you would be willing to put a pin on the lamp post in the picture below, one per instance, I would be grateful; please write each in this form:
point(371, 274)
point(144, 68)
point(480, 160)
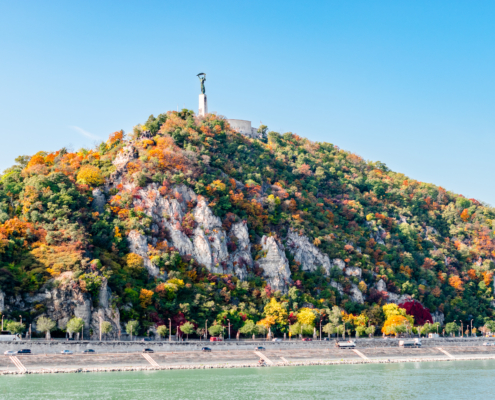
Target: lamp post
point(20, 316)
point(456, 324)
point(2, 321)
point(206, 330)
point(169, 330)
point(229, 327)
point(471, 327)
point(462, 329)
point(82, 331)
point(99, 316)
point(30, 332)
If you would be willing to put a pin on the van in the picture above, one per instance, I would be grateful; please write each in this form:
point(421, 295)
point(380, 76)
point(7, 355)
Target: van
point(410, 343)
point(7, 336)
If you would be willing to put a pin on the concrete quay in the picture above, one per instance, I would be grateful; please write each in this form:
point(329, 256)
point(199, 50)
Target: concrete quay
point(236, 358)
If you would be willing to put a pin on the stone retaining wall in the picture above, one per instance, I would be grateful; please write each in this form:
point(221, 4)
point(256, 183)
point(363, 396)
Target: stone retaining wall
point(56, 346)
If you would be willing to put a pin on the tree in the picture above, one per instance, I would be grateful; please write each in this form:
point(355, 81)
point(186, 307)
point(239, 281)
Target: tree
point(162, 331)
point(395, 324)
point(360, 330)
point(306, 316)
point(106, 327)
point(45, 325)
point(451, 327)
point(187, 328)
point(74, 325)
point(249, 328)
point(15, 327)
point(277, 311)
point(329, 329)
point(215, 330)
point(132, 327)
point(90, 175)
point(370, 330)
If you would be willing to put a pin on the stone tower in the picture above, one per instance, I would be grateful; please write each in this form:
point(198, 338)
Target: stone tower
point(203, 105)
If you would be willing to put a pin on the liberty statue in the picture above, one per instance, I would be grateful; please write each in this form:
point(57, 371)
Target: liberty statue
point(202, 78)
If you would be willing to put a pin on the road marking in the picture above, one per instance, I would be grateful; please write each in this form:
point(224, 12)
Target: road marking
point(150, 360)
point(446, 353)
point(284, 360)
point(360, 354)
point(18, 364)
point(261, 355)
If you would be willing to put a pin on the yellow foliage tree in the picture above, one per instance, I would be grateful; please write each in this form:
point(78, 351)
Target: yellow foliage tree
point(394, 321)
point(267, 322)
point(145, 297)
point(275, 310)
point(306, 316)
point(134, 264)
point(90, 175)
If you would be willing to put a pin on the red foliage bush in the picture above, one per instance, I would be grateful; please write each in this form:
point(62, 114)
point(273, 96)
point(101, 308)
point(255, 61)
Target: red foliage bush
point(421, 314)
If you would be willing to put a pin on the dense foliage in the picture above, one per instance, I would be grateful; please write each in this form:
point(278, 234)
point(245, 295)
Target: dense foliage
point(420, 239)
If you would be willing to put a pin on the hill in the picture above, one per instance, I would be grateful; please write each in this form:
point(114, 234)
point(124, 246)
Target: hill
point(187, 220)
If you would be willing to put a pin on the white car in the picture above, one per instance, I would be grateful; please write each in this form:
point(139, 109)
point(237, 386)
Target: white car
point(10, 352)
point(66, 352)
point(276, 340)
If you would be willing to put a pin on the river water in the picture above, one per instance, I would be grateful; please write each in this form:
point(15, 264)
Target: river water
point(433, 380)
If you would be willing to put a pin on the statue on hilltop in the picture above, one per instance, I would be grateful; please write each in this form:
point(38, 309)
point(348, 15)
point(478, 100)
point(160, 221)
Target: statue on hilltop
point(202, 78)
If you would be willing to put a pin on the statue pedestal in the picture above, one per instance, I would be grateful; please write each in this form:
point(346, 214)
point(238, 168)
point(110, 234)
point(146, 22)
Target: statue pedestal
point(203, 105)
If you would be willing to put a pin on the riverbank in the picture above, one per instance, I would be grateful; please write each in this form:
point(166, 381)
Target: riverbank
point(181, 360)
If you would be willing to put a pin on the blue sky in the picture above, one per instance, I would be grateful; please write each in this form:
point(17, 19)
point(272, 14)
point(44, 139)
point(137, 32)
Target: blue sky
point(408, 83)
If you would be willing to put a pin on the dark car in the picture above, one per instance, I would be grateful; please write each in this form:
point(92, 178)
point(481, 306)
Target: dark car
point(70, 338)
point(148, 351)
point(327, 339)
point(307, 339)
point(259, 348)
point(89, 351)
point(206, 349)
point(146, 339)
point(24, 351)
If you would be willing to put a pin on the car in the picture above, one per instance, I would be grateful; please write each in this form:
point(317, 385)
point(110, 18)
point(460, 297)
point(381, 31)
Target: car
point(486, 344)
point(146, 339)
point(148, 351)
point(10, 352)
point(259, 348)
point(326, 339)
point(307, 339)
point(276, 340)
point(66, 352)
point(206, 349)
point(89, 351)
point(216, 339)
point(70, 338)
point(24, 351)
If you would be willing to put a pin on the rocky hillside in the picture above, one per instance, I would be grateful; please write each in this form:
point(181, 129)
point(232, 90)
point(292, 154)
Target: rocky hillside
point(188, 220)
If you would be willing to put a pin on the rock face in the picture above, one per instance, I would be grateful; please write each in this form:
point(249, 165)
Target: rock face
point(207, 243)
point(353, 271)
point(356, 295)
point(138, 244)
point(99, 201)
point(338, 263)
point(438, 317)
point(381, 285)
point(275, 264)
point(307, 253)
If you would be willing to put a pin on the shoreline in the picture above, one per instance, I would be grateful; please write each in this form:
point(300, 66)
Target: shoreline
point(230, 366)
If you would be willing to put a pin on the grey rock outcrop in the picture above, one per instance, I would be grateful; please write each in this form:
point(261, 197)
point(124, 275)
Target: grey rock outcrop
point(356, 295)
point(381, 285)
point(275, 264)
point(353, 271)
point(337, 286)
point(338, 263)
point(438, 317)
point(306, 253)
point(99, 201)
point(138, 244)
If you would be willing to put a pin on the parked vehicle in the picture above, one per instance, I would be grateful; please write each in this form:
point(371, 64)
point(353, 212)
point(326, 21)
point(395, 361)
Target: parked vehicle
point(216, 339)
point(410, 343)
point(276, 340)
point(89, 351)
point(24, 351)
point(327, 339)
point(307, 339)
point(148, 351)
point(66, 352)
point(346, 345)
point(146, 339)
point(7, 336)
point(259, 348)
point(206, 349)
point(10, 352)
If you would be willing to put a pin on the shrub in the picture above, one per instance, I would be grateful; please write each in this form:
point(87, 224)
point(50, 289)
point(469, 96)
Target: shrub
point(90, 175)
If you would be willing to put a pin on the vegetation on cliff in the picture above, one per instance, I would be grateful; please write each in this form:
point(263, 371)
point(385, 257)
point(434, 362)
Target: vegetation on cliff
point(413, 238)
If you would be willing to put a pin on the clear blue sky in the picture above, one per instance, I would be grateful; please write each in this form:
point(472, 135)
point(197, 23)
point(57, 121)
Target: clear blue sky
point(409, 83)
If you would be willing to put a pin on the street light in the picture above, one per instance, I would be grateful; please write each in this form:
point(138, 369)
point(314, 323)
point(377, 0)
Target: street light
point(20, 316)
point(206, 330)
point(471, 327)
point(229, 327)
point(99, 316)
point(2, 321)
point(169, 330)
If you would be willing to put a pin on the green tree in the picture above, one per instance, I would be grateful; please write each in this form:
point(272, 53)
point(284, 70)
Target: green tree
point(15, 327)
point(249, 328)
point(187, 328)
point(106, 327)
point(451, 327)
point(215, 330)
point(45, 325)
point(162, 331)
point(132, 327)
point(370, 330)
point(74, 325)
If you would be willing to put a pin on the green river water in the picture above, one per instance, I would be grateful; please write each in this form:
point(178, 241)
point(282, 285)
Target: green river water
point(433, 380)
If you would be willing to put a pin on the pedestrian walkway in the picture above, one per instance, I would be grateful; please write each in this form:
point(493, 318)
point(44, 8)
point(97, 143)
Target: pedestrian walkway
point(150, 360)
point(261, 355)
point(18, 364)
point(360, 354)
point(446, 353)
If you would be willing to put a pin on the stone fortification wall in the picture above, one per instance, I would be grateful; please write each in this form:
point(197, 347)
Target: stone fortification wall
point(56, 346)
